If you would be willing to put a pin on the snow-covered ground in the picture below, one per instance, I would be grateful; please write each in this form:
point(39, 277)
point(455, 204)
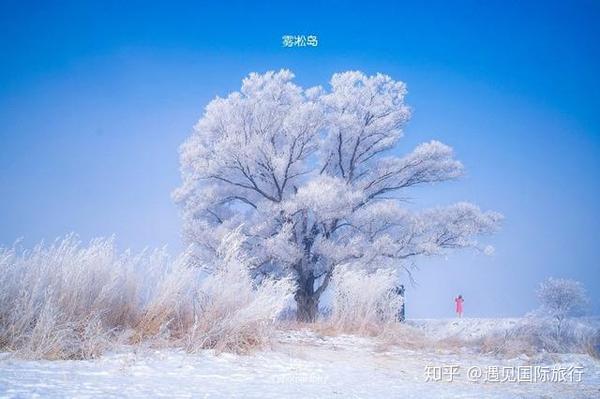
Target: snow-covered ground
point(467, 328)
point(301, 365)
point(474, 328)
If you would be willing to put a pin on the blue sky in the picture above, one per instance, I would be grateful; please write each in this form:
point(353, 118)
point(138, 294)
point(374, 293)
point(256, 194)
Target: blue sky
point(95, 99)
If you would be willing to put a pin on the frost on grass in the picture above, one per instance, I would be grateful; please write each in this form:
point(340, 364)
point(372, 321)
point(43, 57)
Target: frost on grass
point(363, 302)
point(66, 300)
point(534, 335)
point(553, 327)
point(226, 310)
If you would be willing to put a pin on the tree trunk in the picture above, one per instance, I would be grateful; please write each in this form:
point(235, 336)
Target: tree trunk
point(401, 316)
point(307, 300)
point(308, 307)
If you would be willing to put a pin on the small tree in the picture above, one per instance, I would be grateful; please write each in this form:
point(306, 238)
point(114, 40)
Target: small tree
point(560, 298)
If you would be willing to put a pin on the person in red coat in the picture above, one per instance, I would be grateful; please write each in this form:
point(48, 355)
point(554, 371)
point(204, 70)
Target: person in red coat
point(459, 305)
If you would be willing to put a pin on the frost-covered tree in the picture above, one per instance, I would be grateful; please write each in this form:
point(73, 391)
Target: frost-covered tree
point(311, 177)
point(560, 298)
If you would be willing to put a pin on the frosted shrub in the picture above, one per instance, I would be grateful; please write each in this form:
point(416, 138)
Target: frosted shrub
point(68, 301)
point(223, 309)
point(534, 335)
point(233, 312)
point(364, 302)
point(552, 327)
point(560, 298)
point(65, 300)
point(170, 309)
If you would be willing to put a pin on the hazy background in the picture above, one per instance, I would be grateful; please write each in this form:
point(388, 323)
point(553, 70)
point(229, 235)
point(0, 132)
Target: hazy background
point(95, 100)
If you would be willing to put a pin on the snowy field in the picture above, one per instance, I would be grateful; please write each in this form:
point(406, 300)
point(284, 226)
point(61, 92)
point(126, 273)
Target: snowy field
point(300, 365)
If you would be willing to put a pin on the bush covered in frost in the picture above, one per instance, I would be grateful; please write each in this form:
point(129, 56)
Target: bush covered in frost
point(364, 302)
point(67, 300)
point(552, 327)
point(226, 310)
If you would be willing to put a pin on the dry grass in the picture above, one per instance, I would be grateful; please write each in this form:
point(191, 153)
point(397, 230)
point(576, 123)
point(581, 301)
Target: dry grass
point(591, 345)
point(363, 303)
point(535, 335)
point(403, 336)
point(69, 301)
point(226, 310)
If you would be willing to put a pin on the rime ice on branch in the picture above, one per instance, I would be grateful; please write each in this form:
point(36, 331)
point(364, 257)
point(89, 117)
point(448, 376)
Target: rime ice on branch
point(310, 178)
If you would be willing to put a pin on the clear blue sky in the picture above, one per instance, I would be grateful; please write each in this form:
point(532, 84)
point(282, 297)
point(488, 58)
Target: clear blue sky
point(95, 99)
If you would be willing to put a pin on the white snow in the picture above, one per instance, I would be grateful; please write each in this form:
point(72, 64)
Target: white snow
point(301, 365)
point(473, 328)
point(466, 328)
